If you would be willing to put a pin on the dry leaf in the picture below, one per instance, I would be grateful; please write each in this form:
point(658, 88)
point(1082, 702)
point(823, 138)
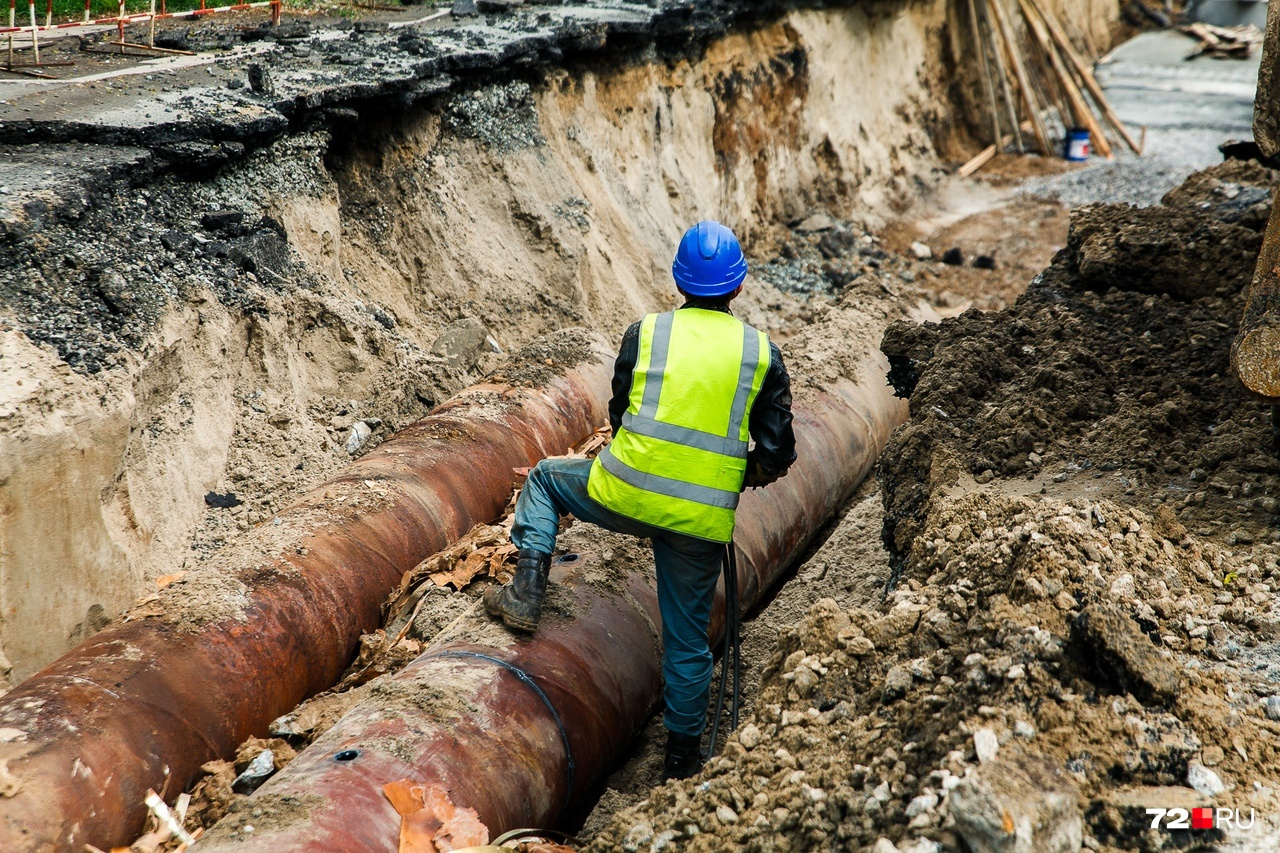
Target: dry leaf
point(428, 816)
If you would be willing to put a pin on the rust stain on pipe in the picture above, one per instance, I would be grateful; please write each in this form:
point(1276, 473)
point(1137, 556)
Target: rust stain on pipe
point(278, 615)
point(517, 727)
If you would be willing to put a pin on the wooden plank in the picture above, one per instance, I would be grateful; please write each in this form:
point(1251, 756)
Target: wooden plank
point(1078, 105)
point(1020, 72)
point(994, 46)
point(986, 73)
point(986, 155)
point(1085, 71)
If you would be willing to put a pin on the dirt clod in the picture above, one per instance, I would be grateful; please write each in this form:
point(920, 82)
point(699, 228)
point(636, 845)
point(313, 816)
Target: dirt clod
point(1018, 804)
point(1124, 654)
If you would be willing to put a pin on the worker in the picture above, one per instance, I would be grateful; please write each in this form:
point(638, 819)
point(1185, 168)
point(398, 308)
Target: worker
point(690, 388)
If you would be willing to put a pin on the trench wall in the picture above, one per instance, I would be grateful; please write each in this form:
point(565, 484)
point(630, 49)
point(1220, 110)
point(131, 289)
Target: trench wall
point(525, 201)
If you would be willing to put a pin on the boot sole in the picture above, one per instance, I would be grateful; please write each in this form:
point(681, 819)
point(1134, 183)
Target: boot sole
point(518, 624)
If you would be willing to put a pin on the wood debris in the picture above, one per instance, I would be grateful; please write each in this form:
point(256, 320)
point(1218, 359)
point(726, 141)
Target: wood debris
point(1052, 81)
point(484, 555)
point(1223, 42)
point(165, 580)
point(429, 820)
point(166, 830)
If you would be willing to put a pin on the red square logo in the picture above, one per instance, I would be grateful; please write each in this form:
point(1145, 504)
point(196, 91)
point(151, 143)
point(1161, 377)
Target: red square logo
point(1202, 818)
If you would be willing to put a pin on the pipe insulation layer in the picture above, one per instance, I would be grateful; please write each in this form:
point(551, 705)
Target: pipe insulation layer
point(277, 616)
point(516, 727)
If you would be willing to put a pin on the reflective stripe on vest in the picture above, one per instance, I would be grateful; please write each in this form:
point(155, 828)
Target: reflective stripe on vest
point(679, 459)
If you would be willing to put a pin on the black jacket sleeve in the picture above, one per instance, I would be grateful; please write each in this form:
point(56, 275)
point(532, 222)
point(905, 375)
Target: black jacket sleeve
point(770, 423)
point(623, 367)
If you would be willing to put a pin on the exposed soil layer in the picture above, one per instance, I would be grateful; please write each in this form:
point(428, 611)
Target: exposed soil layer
point(212, 296)
point(1081, 517)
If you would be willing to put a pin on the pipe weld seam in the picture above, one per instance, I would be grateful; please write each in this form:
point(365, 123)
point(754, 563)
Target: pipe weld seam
point(527, 679)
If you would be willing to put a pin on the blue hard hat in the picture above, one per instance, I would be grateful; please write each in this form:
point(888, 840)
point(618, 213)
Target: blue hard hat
point(709, 261)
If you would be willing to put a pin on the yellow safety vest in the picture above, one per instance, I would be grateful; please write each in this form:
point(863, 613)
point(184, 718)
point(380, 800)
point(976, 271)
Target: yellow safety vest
point(679, 459)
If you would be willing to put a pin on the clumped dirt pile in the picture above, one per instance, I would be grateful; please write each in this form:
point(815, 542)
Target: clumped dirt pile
point(1109, 377)
point(1082, 622)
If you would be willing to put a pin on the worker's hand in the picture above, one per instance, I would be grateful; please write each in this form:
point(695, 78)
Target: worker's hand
point(756, 477)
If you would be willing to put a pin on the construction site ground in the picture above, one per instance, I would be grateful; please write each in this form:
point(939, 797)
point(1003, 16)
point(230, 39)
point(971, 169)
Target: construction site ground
point(1056, 597)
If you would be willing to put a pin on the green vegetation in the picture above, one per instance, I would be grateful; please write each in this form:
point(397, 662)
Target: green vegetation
point(73, 10)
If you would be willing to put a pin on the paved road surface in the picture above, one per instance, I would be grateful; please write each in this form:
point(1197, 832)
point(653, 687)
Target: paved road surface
point(1188, 106)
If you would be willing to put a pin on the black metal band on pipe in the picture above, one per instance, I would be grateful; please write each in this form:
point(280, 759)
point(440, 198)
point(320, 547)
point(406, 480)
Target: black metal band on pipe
point(527, 679)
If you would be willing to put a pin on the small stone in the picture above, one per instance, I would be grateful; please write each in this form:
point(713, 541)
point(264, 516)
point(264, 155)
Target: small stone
point(1212, 756)
point(1123, 654)
point(816, 222)
point(860, 647)
point(921, 251)
point(884, 845)
point(260, 79)
point(636, 836)
point(222, 220)
point(1273, 707)
point(726, 814)
point(896, 682)
point(222, 501)
point(461, 343)
point(1205, 782)
point(1019, 804)
point(749, 736)
point(1024, 730)
point(986, 745)
point(804, 682)
point(258, 771)
point(923, 803)
point(813, 795)
point(663, 839)
point(360, 433)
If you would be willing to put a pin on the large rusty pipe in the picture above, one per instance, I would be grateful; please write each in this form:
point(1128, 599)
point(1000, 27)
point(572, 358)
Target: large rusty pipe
point(278, 615)
point(517, 728)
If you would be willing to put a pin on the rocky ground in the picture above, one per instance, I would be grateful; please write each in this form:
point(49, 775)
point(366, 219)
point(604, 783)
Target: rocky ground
point(1081, 518)
point(1076, 597)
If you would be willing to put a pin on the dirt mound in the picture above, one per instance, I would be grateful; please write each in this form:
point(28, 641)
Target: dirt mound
point(1100, 381)
point(1004, 634)
point(1082, 622)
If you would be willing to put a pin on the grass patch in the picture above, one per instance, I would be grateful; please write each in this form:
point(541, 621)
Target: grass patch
point(73, 10)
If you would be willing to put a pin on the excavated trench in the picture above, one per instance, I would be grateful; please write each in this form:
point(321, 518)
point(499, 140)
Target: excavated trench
point(190, 343)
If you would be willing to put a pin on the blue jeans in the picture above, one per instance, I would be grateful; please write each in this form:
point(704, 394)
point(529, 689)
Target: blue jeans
point(687, 572)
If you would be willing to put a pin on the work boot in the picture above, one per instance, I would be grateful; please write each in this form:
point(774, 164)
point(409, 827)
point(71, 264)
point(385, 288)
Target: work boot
point(684, 756)
point(519, 603)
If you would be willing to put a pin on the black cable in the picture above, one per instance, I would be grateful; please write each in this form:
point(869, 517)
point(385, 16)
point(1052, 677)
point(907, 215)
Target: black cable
point(571, 766)
point(732, 649)
point(737, 637)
